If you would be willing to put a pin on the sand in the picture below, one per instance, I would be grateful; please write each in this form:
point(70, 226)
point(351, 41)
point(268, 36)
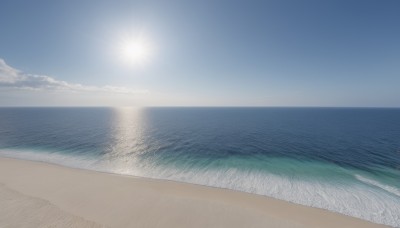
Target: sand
point(34, 194)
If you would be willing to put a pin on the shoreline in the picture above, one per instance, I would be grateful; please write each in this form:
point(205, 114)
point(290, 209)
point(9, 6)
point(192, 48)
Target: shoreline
point(79, 197)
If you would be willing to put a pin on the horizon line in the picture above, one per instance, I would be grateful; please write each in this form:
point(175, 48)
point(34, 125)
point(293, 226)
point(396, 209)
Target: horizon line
point(200, 106)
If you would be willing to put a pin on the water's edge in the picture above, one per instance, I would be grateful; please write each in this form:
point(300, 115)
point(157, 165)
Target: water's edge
point(167, 180)
point(71, 164)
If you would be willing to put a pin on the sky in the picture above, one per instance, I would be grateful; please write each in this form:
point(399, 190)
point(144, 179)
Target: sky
point(341, 53)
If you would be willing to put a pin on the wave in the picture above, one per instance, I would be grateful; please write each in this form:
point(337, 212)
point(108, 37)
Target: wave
point(385, 187)
point(337, 193)
point(310, 183)
point(52, 157)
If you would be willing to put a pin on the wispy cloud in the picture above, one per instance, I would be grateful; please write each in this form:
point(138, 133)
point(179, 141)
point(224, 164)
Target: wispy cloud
point(16, 79)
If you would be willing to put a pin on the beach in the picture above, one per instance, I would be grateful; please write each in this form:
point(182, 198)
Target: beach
point(181, 114)
point(35, 194)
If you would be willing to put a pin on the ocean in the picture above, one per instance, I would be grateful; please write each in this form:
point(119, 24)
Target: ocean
point(345, 160)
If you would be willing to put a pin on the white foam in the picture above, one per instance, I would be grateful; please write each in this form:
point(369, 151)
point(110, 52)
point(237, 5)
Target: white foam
point(379, 203)
point(352, 199)
point(48, 157)
point(388, 188)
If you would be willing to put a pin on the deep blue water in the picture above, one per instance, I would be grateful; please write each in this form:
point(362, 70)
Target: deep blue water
point(342, 159)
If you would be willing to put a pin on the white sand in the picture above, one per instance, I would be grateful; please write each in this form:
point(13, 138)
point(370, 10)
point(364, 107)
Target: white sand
point(34, 194)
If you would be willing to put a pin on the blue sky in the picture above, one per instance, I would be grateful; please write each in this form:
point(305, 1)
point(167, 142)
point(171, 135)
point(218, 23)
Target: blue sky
point(203, 53)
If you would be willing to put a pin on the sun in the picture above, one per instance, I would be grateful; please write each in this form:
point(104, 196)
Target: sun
point(136, 51)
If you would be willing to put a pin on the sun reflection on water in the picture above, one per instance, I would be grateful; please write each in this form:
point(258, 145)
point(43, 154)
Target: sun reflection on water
point(129, 140)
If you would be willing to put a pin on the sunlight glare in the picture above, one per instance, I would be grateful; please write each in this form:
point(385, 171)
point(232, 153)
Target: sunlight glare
point(135, 51)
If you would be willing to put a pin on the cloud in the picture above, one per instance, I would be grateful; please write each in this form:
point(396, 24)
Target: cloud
point(15, 79)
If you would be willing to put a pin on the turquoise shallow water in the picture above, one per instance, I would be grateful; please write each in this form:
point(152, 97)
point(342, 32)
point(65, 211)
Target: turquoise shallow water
point(341, 159)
